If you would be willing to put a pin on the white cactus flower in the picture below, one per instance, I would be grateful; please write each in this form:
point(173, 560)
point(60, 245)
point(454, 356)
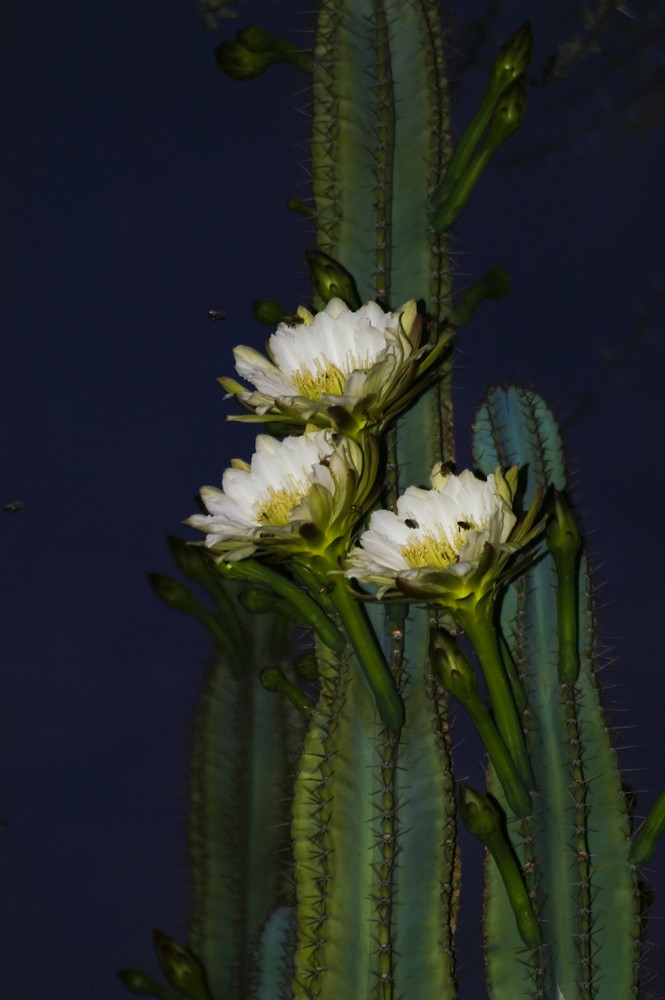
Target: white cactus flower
point(349, 370)
point(445, 543)
point(300, 494)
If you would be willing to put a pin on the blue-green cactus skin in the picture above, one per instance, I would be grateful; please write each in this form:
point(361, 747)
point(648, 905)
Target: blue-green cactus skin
point(574, 848)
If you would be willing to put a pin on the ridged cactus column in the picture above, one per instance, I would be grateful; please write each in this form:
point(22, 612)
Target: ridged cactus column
point(374, 810)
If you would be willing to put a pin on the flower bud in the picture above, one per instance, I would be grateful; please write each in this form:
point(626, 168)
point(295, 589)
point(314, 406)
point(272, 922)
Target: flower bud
point(136, 981)
point(565, 543)
point(512, 61)
point(508, 114)
point(480, 815)
point(273, 679)
point(181, 967)
point(494, 284)
point(269, 312)
point(563, 534)
point(254, 50)
point(482, 819)
point(330, 280)
point(452, 666)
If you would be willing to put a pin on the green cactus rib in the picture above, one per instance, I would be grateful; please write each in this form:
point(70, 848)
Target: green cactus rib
point(574, 849)
point(243, 749)
point(373, 847)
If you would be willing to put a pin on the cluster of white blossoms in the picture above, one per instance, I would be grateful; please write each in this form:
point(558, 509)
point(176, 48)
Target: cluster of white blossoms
point(340, 375)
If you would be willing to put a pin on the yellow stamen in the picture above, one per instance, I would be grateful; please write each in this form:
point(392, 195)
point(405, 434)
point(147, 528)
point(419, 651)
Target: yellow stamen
point(275, 505)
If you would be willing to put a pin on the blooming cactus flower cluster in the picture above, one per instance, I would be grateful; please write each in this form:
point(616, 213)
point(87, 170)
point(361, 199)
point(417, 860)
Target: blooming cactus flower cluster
point(339, 377)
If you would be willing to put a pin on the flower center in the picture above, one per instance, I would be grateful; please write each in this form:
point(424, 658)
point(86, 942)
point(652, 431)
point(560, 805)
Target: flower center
point(327, 378)
point(436, 547)
point(275, 506)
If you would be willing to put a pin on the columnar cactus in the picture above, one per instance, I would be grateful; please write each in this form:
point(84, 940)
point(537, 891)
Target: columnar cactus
point(324, 804)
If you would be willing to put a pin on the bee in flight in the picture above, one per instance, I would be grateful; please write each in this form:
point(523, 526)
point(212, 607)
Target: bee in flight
point(216, 315)
point(12, 507)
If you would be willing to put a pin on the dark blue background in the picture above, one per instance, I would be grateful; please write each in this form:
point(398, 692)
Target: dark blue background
point(140, 189)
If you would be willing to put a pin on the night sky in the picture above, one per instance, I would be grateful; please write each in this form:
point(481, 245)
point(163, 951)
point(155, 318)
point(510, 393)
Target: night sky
point(141, 188)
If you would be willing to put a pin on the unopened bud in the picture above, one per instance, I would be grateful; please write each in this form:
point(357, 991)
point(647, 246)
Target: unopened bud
point(494, 284)
point(508, 114)
point(562, 534)
point(452, 666)
point(273, 679)
point(181, 967)
point(480, 815)
point(269, 312)
point(512, 61)
point(136, 981)
point(330, 280)
point(254, 50)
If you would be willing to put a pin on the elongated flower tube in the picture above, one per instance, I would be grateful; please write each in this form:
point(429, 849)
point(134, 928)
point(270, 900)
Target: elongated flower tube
point(450, 544)
point(352, 371)
point(299, 497)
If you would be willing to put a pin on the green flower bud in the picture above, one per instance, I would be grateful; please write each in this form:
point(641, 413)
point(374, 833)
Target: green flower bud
point(254, 50)
point(482, 819)
point(181, 967)
point(563, 535)
point(508, 114)
point(273, 679)
point(479, 814)
point(494, 284)
point(458, 677)
point(171, 591)
point(330, 280)
point(512, 61)
point(136, 981)
point(452, 666)
point(269, 312)
point(299, 206)
point(565, 544)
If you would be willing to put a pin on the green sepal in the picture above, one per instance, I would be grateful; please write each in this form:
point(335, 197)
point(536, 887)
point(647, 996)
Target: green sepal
point(255, 50)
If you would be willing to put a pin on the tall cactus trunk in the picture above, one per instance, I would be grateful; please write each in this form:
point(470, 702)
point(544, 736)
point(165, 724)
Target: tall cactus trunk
point(375, 858)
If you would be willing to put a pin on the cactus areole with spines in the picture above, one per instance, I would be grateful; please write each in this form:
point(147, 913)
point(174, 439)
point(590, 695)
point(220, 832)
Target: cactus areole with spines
point(344, 564)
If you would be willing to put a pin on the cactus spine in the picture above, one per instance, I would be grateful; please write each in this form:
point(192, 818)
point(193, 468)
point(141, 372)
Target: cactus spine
point(324, 846)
